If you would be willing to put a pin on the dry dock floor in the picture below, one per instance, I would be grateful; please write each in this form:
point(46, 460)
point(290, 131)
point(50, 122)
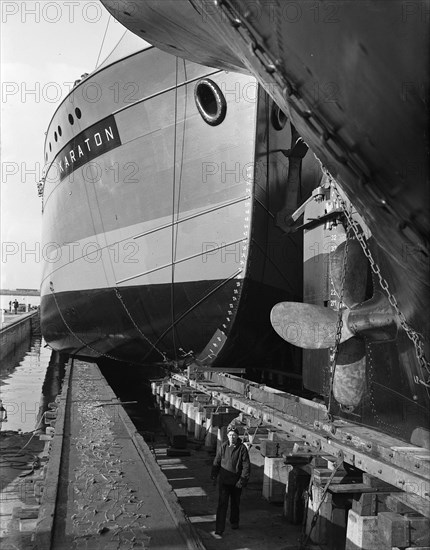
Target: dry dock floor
point(104, 488)
point(262, 524)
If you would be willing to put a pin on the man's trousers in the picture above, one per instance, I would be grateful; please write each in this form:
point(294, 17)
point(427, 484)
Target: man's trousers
point(226, 493)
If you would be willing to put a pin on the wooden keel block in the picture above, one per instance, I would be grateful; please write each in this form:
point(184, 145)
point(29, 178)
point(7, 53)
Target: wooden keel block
point(275, 479)
point(208, 410)
point(393, 529)
point(223, 419)
point(419, 531)
point(274, 449)
point(250, 421)
point(201, 398)
point(365, 504)
point(362, 532)
point(175, 432)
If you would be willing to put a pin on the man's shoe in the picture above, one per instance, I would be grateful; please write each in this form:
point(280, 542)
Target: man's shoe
point(235, 526)
point(216, 535)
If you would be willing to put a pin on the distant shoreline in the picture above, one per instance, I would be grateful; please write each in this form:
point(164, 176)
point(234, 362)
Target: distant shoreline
point(20, 292)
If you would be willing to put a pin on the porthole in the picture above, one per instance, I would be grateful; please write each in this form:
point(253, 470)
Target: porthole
point(71, 119)
point(55, 136)
point(60, 131)
point(278, 118)
point(78, 112)
point(50, 147)
point(210, 102)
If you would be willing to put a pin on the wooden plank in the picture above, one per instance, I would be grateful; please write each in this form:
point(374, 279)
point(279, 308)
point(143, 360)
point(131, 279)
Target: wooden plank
point(359, 488)
point(395, 505)
point(201, 398)
point(321, 477)
point(410, 449)
point(373, 481)
point(415, 502)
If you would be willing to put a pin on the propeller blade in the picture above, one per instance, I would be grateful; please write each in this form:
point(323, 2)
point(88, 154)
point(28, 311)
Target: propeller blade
point(308, 326)
point(354, 288)
point(350, 373)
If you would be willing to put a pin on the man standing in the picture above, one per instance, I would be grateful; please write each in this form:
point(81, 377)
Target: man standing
point(233, 466)
point(3, 414)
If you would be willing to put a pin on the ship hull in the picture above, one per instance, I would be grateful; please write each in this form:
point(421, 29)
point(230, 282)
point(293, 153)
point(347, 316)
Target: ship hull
point(353, 79)
point(164, 246)
point(354, 82)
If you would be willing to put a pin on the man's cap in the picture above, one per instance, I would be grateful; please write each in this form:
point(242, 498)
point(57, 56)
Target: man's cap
point(233, 429)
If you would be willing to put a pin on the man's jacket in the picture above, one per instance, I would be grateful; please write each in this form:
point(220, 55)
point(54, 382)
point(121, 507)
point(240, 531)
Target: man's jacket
point(232, 464)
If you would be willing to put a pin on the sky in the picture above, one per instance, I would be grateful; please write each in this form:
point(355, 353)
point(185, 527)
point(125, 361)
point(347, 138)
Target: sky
point(45, 46)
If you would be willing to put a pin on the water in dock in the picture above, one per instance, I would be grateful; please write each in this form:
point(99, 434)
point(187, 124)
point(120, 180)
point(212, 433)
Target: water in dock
point(22, 375)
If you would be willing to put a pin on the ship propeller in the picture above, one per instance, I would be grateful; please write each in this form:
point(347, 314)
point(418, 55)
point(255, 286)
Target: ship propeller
point(310, 326)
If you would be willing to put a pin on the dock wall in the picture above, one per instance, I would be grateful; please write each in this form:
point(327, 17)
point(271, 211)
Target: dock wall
point(16, 332)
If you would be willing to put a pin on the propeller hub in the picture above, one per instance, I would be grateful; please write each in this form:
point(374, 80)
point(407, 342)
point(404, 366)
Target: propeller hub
point(374, 319)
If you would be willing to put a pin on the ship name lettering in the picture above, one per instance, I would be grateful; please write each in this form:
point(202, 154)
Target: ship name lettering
point(91, 143)
point(98, 141)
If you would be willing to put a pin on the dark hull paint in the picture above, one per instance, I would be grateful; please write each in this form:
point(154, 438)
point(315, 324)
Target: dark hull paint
point(127, 328)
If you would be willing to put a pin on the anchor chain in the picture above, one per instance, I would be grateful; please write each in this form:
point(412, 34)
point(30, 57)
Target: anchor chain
point(338, 464)
point(73, 333)
point(416, 337)
point(87, 345)
point(147, 340)
point(339, 325)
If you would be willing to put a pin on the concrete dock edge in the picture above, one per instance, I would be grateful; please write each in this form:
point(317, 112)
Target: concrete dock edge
point(45, 524)
point(43, 536)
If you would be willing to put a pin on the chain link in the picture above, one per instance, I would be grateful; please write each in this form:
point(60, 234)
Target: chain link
point(412, 334)
point(339, 325)
point(338, 464)
point(334, 146)
point(87, 345)
point(153, 346)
